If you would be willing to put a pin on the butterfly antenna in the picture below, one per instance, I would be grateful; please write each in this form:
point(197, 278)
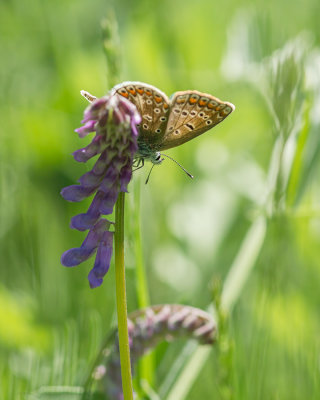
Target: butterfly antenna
point(188, 173)
point(147, 180)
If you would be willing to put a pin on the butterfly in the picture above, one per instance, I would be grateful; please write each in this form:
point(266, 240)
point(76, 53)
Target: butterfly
point(168, 123)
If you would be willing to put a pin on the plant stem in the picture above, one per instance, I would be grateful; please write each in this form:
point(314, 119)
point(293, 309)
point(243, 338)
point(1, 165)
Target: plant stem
point(146, 365)
point(121, 300)
point(141, 281)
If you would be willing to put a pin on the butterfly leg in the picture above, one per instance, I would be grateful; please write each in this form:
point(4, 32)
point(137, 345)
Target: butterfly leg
point(136, 162)
point(139, 164)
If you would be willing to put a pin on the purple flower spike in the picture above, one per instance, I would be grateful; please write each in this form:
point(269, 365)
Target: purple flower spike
point(114, 121)
point(102, 262)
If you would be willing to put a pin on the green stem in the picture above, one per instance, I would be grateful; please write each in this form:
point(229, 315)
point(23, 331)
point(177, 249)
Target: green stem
point(146, 364)
point(141, 281)
point(122, 300)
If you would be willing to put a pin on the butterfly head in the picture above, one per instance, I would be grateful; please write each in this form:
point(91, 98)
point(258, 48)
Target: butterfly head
point(156, 158)
point(147, 153)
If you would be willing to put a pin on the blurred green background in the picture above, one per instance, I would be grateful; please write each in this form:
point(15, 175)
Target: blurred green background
point(262, 56)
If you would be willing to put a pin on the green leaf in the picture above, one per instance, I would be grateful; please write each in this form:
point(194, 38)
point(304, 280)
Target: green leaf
point(243, 263)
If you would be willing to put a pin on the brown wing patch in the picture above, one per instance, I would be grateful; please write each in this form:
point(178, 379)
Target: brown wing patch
point(193, 113)
point(152, 105)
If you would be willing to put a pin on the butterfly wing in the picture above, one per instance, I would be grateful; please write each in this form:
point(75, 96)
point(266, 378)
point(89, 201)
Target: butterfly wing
point(152, 105)
point(191, 114)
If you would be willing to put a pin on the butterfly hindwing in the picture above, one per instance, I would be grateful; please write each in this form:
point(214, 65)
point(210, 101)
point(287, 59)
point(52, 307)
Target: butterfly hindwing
point(152, 105)
point(191, 114)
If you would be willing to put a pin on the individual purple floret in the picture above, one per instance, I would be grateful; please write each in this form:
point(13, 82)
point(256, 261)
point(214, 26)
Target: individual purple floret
point(114, 120)
point(73, 257)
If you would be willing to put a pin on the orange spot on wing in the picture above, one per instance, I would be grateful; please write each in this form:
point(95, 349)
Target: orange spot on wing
point(192, 100)
point(180, 100)
point(148, 92)
point(219, 107)
point(158, 99)
point(124, 94)
point(165, 106)
point(211, 106)
point(132, 91)
point(140, 91)
point(203, 103)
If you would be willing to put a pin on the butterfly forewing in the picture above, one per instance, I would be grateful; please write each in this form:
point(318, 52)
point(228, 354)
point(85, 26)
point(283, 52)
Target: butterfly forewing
point(152, 105)
point(191, 114)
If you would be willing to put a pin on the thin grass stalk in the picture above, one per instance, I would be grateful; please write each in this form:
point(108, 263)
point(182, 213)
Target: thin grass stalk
point(141, 276)
point(297, 164)
point(146, 364)
point(122, 300)
point(111, 46)
point(243, 263)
